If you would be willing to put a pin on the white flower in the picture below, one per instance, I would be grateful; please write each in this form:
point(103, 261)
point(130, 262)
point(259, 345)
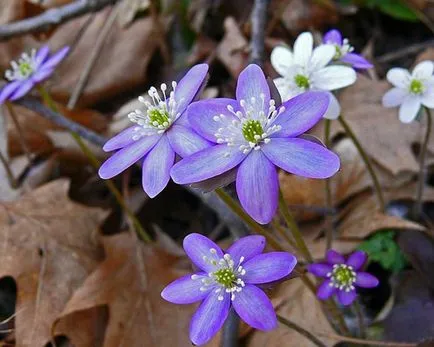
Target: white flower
point(306, 69)
point(410, 90)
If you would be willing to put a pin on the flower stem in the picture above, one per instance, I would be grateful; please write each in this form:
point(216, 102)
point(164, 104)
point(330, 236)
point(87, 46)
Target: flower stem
point(12, 181)
point(417, 208)
point(293, 227)
point(328, 191)
point(96, 164)
point(301, 331)
point(360, 320)
point(230, 330)
point(366, 160)
point(284, 234)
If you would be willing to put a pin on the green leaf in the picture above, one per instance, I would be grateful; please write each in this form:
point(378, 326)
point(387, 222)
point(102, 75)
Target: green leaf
point(398, 10)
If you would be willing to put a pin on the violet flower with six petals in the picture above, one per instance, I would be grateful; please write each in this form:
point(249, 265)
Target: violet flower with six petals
point(160, 133)
point(253, 136)
point(344, 51)
point(30, 70)
point(342, 277)
point(228, 279)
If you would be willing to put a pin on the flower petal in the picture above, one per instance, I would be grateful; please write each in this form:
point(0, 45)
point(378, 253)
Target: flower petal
point(398, 77)
point(325, 290)
point(185, 141)
point(346, 298)
point(156, 167)
point(42, 74)
point(334, 109)
point(55, 59)
point(189, 86)
point(283, 87)
point(201, 116)
point(257, 187)
point(333, 36)
point(357, 260)
point(423, 70)
point(185, 290)
point(127, 156)
point(281, 59)
point(8, 90)
point(268, 267)
point(206, 164)
point(333, 77)
point(322, 55)
point(246, 247)
point(121, 140)
point(22, 90)
point(366, 280)
point(254, 308)
point(198, 249)
point(41, 55)
point(250, 86)
point(302, 158)
point(356, 61)
point(303, 46)
point(301, 113)
point(427, 98)
point(334, 257)
point(394, 97)
point(209, 318)
point(409, 109)
point(319, 269)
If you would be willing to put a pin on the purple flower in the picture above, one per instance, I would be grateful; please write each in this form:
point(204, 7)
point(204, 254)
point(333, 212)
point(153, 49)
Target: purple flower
point(252, 137)
point(226, 279)
point(342, 276)
point(159, 133)
point(344, 51)
point(30, 70)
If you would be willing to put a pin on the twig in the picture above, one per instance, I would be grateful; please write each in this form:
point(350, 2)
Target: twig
point(366, 342)
point(84, 76)
point(301, 331)
point(230, 330)
point(259, 16)
point(35, 105)
point(411, 49)
point(52, 17)
point(20, 132)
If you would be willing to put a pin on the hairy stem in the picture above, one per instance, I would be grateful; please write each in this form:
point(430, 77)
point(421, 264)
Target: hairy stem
point(12, 181)
point(290, 324)
point(20, 132)
point(360, 320)
point(328, 192)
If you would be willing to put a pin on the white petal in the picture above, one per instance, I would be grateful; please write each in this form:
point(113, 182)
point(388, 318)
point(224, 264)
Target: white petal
point(334, 109)
point(394, 97)
point(281, 59)
point(423, 70)
point(399, 77)
point(428, 98)
point(321, 56)
point(283, 88)
point(303, 46)
point(409, 109)
point(333, 77)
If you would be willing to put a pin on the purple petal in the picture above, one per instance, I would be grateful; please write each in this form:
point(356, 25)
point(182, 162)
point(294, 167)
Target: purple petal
point(325, 290)
point(301, 157)
point(320, 270)
point(334, 37)
point(198, 249)
point(185, 141)
point(257, 187)
point(189, 86)
point(201, 116)
point(8, 90)
point(252, 84)
point(268, 267)
point(357, 61)
point(334, 257)
point(346, 298)
point(55, 59)
point(185, 290)
point(206, 164)
point(121, 140)
point(246, 247)
point(42, 74)
point(357, 260)
point(127, 156)
point(254, 307)
point(301, 113)
point(366, 280)
point(156, 167)
point(41, 55)
point(209, 318)
point(22, 90)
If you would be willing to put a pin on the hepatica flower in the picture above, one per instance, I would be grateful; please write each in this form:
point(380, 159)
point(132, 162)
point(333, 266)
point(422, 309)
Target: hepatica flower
point(342, 277)
point(410, 90)
point(306, 69)
point(159, 132)
point(344, 52)
point(29, 70)
point(226, 279)
point(253, 136)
